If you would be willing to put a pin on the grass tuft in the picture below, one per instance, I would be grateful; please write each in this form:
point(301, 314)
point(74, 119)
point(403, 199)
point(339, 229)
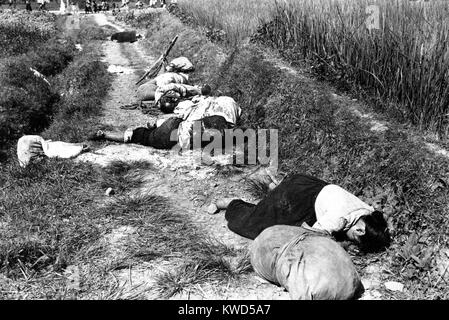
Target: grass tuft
point(257, 188)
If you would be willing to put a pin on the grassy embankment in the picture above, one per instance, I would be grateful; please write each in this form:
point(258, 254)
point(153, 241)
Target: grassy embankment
point(389, 169)
point(44, 207)
point(401, 65)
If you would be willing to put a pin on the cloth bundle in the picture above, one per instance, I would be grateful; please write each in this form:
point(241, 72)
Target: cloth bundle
point(180, 64)
point(32, 146)
point(306, 262)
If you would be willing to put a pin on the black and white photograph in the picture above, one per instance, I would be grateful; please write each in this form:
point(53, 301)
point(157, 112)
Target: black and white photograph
point(240, 151)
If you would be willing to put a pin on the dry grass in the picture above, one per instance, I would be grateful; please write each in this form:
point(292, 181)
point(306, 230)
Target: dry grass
point(21, 31)
point(162, 234)
point(238, 19)
point(51, 218)
point(257, 188)
point(404, 63)
point(124, 176)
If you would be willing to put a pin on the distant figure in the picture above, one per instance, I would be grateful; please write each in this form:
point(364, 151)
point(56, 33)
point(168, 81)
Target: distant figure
point(139, 4)
point(28, 5)
point(62, 7)
point(12, 3)
point(125, 36)
point(104, 6)
point(88, 7)
point(43, 4)
point(125, 5)
point(94, 6)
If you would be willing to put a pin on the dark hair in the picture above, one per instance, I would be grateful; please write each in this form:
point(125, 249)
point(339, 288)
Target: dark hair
point(168, 98)
point(206, 90)
point(377, 236)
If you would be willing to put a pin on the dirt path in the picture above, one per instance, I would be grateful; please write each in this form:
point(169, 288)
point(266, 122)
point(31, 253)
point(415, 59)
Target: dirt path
point(189, 186)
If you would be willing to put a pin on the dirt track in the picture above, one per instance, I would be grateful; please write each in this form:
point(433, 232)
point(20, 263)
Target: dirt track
point(189, 186)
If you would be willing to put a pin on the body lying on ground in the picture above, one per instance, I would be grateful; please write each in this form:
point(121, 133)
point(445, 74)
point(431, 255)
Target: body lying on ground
point(164, 136)
point(30, 147)
point(203, 106)
point(147, 91)
point(125, 36)
point(300, 199)
point(167, 97)
point(177, 71)
point(217, 113)
point(307, 262)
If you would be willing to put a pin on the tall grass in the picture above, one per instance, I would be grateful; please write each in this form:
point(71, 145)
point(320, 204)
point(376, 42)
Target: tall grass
point(21, 31)
point(27, 102)
point(404, 62)
point(238, 19)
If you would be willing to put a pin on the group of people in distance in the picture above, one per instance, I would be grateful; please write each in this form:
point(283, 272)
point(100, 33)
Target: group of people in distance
point(297, 228)
point(92, 7)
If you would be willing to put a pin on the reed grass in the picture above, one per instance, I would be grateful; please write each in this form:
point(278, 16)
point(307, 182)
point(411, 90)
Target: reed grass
point(403, 64)
point(238, 19)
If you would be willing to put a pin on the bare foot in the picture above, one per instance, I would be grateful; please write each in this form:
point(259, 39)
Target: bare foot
point(223, 203)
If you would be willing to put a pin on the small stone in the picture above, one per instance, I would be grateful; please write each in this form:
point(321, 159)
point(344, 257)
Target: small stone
point(394, 286)
point(272, 185)
point(370, 283)
point(212, 209)
point(109, 191)
point(261, 280)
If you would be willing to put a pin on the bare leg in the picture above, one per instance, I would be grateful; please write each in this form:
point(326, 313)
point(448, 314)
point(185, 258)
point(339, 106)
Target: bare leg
point(110, 135)
point(223, 203)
